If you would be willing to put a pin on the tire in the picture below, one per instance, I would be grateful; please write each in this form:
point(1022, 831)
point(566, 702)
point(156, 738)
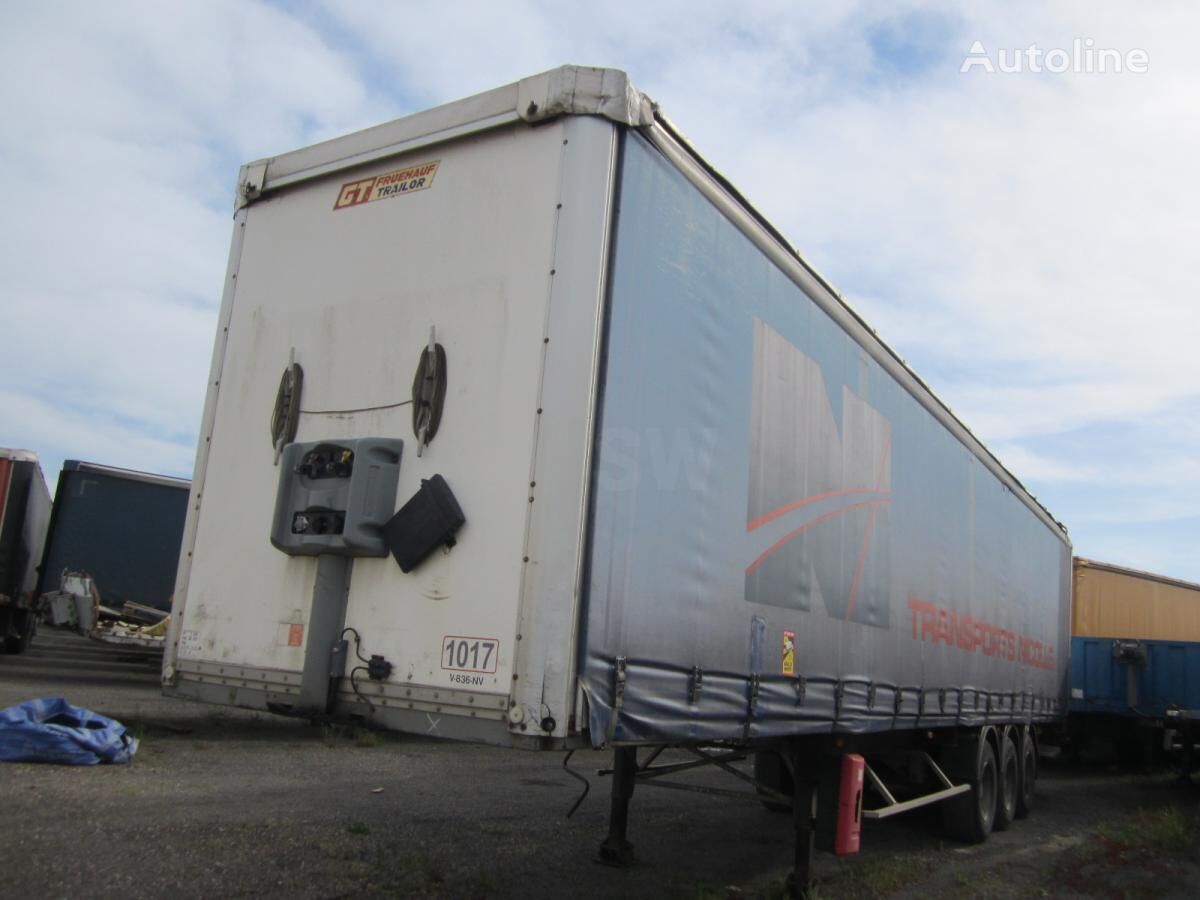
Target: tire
point(770, 770)
point(1029, 766)
point(969, 817)
point(1008, 783)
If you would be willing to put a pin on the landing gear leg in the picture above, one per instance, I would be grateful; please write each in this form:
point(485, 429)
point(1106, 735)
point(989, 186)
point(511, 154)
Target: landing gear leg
point(616, 850)
point(804, 819)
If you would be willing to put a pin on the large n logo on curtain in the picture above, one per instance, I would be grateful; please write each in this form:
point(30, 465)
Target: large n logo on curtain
point(819, 498)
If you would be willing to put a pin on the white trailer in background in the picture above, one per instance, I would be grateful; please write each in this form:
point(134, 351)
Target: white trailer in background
point(24, 519)
point(525, 427)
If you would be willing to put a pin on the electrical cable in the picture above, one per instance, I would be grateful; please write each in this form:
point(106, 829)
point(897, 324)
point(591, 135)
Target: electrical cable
point(357, 641)
point(357, 652)
point(354, 687)
point(346, 412)
point(587, 786)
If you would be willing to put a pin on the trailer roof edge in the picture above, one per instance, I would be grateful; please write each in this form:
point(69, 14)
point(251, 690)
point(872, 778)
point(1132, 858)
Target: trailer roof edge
point(937, 406)
point(567, 90)
point(75, 465)
point(1083, 561)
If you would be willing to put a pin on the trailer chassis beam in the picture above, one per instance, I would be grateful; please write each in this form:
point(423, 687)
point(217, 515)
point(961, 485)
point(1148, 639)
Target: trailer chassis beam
point(617, 850)
point(626, 772)
point(893, 807)
point(647, 773)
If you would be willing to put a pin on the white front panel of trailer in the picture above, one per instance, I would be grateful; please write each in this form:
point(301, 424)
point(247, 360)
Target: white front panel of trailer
point(354, 292)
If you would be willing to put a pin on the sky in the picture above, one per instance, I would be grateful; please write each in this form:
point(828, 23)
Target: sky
point(1024, 239)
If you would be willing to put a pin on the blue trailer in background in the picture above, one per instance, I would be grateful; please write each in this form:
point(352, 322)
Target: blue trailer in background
point(1135, 662)
point(1141, 679)
point(121, 527)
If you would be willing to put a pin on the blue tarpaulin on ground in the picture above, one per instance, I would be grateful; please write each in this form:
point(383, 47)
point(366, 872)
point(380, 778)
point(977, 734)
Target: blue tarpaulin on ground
point(52, 730)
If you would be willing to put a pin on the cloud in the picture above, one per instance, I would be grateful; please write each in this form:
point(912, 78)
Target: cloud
point(1024, 241)
point(125, 126)
point(92, 434)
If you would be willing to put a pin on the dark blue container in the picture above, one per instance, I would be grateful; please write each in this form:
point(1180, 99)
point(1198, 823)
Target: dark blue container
point(1141, 679)
point(123, 528)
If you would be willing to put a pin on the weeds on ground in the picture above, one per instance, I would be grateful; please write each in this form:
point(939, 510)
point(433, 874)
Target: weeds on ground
point(1145, 855)
point(994, 882)
point(1168, 829)
point(333, 733)
point(879, 877)
point(358, 828)
point(364, 737)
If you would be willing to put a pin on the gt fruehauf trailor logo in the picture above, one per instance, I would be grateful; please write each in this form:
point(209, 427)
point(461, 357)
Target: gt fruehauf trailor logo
point(408, 180)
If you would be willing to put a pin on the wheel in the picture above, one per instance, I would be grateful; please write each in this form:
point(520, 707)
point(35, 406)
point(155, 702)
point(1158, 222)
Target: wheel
point(1029, 765)
point(1008, 783)
point(771, 771)
point(969, 816)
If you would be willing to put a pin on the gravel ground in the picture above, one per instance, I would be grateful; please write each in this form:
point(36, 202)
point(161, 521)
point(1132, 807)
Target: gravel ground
point(234, 804)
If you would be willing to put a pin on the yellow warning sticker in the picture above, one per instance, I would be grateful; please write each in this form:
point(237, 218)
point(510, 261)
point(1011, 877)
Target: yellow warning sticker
point(789, 653)
point(408, 180)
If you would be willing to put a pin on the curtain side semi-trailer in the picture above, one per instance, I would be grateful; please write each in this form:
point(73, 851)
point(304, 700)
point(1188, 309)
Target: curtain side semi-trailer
point(24, 518)
point(525, 427)
point(122, 527)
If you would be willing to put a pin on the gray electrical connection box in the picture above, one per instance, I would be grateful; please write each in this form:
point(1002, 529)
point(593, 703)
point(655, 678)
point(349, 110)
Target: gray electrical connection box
point(335, 496)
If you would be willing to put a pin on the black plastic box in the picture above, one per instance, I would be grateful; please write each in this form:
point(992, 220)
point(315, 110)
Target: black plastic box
point(430, 519)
